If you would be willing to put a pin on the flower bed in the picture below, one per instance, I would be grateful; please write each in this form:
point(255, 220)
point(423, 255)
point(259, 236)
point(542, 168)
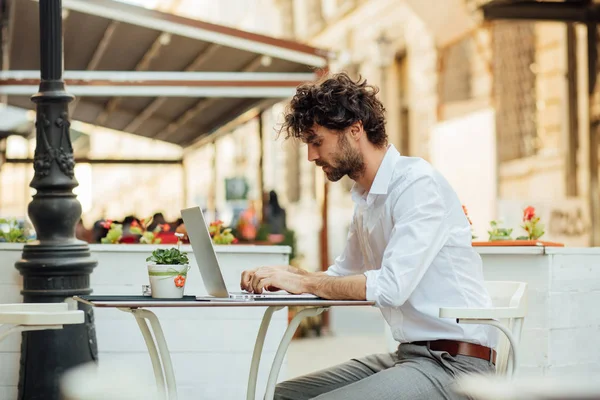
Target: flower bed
point(501, 236)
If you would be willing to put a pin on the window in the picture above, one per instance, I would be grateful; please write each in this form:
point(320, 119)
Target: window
point(515, 89)
point(456, 63)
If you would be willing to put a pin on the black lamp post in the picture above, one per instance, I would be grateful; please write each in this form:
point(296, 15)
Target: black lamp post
point(57, 265)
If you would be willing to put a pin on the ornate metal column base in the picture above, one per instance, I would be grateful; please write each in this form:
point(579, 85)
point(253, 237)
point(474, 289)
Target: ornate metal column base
point(57, 265)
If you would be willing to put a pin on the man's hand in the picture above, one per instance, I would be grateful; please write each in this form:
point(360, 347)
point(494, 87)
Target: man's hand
point(248, 276)
point(273, 279)
point(297, 281)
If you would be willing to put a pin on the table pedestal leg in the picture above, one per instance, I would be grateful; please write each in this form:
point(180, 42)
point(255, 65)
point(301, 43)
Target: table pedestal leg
point(283, 345)
point(161, 358)
point(258, 347)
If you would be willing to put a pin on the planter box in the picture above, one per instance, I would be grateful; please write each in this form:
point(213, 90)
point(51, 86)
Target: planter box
point(209, 347)
point(563, 324)
point(518, 243)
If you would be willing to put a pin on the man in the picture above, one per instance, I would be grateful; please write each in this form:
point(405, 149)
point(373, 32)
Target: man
point(408, 250)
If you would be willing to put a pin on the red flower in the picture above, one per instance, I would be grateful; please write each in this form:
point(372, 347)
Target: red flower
point(166, 237)
point(134, 224)
point(528, 213)
point(179, 280)
point(106, 224)
point(166, 228)
point(235, 240)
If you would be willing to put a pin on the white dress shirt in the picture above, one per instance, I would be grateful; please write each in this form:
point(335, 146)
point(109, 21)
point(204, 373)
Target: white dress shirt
point(411, 239)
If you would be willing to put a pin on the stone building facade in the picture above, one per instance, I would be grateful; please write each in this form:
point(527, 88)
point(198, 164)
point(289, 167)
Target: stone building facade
point(491, 108)
point(500, 108)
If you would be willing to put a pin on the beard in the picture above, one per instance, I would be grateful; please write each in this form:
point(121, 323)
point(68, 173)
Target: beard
point(348, 161)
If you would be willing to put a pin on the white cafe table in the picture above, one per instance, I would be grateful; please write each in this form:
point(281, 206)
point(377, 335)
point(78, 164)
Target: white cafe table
point(152, 332)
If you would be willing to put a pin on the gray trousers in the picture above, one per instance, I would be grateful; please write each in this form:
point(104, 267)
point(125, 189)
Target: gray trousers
point(413, 372)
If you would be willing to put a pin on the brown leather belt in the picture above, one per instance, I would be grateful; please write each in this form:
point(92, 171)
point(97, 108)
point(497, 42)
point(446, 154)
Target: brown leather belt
point(455, 348)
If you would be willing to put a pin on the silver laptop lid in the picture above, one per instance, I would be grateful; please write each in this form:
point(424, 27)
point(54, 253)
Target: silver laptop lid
point(204, 252)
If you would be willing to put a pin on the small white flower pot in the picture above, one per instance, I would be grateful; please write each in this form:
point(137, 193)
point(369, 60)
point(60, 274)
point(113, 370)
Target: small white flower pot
point(167, 281)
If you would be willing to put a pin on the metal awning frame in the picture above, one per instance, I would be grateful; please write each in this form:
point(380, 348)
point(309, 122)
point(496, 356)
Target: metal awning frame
point(163, 84)
point(582, 11)
point(250, 81)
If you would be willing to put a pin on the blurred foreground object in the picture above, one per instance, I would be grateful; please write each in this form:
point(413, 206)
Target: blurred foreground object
point(37, 317)
point(545, 388)
point(107, 380)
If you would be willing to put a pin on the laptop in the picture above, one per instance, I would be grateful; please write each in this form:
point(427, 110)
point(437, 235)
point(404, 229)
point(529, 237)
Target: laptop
point(208, 263)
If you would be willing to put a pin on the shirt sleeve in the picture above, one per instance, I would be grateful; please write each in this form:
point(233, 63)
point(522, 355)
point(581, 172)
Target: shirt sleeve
point(350, 262)
point(419, 232)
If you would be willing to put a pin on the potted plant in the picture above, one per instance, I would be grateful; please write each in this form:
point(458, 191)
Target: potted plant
point(499, 233)
point(167, 271)
point(220, 234)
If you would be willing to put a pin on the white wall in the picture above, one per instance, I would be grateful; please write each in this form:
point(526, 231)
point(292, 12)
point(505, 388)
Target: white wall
point(562, 328)
point(211, 349)
point(463, 150)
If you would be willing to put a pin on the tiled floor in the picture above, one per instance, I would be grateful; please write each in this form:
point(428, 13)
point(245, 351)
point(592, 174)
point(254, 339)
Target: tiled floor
point(313, 354)
point(355, 332)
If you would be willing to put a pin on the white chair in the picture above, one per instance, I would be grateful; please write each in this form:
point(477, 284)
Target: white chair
point(23, 317)
point(509, 301)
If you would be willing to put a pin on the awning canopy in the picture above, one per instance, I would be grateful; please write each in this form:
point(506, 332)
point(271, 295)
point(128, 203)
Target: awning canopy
point(155, 74)
point(14, 120)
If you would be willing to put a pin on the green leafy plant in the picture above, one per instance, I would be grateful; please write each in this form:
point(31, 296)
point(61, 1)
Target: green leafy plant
point(114, 234)
point(498, 233)
point(115, 231)
point(262, 235)
point(14, 234)
point(172, 256)
point(147, 236)
point(220, 234)
point(290, 240)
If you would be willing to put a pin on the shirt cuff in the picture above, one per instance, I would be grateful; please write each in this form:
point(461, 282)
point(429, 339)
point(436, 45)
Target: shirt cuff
point(372, 288)
point(331, 271)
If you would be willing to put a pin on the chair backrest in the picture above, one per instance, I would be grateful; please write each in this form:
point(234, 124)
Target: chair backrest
point(514, 296)
point(508, 294)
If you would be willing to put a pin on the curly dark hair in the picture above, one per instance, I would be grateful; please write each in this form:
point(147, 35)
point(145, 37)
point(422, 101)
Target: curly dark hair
point(336, 103)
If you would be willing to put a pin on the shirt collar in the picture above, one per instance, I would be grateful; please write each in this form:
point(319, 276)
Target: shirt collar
point(382, 179)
